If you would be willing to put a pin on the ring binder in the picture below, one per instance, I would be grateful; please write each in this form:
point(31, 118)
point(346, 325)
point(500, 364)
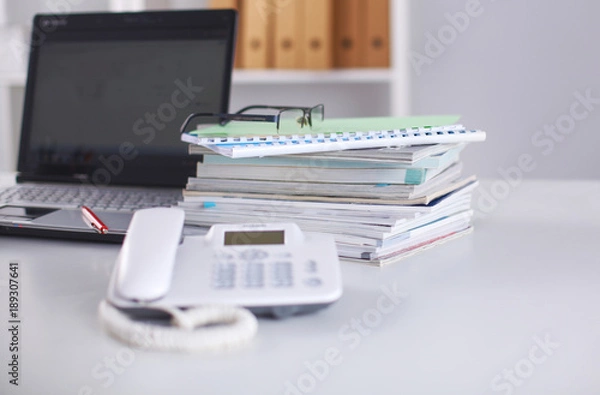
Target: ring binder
point(254, 146)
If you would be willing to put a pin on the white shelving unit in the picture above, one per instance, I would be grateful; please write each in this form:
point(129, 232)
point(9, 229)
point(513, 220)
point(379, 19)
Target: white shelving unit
point(345, 92)
point(292, 77)
point(16, 79)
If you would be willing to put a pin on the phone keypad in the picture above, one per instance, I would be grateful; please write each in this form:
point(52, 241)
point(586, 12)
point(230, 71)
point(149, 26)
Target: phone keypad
point(282, 274)
point(256, 268)
point(224, 275)
point(254, 274)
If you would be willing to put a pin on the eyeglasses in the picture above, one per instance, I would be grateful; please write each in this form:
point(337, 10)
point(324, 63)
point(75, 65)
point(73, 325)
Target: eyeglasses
point(287, 119)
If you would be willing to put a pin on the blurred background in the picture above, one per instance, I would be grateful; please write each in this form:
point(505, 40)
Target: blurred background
point(524, 71)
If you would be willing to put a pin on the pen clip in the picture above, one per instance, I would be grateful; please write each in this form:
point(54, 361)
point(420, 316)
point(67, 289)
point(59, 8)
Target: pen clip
point(93, 221)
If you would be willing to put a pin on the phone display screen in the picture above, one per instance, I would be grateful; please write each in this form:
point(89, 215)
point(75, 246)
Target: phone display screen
point(261, 237)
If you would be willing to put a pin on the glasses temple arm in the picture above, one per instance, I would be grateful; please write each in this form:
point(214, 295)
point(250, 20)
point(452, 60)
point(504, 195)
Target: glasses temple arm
point(185, 123)
point(200, 114)
point(258, 106)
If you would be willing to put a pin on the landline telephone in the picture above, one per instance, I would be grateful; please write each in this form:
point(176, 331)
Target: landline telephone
point(269, 268)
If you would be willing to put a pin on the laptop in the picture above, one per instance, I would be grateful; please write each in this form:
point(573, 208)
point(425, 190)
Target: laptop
point(106, 94)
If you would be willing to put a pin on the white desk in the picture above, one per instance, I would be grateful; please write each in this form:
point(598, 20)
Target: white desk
point(474, 308)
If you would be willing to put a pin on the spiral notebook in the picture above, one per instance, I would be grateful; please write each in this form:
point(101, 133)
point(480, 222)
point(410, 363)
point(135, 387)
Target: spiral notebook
point(242, 140)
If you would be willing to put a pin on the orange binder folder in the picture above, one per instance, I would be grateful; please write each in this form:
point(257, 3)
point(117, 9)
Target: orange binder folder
point(228, 4)
point(376, 50)
point(288, 26)
point(256, 28)
point(317, 48)
point(347, 33)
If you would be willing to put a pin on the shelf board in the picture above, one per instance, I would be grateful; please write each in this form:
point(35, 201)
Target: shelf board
point(271, 76)
point(14, 78)
point(251, 77)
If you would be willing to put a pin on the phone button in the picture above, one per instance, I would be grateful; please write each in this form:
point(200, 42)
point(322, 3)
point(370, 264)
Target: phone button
point(313, 282)
point(310, 266)
point(253, 254)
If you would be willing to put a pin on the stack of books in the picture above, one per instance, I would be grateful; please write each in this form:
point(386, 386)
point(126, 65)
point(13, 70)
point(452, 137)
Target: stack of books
point(381, 204)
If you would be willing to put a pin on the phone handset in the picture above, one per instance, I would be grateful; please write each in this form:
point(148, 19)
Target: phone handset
point(144, 270)
point(147, 258)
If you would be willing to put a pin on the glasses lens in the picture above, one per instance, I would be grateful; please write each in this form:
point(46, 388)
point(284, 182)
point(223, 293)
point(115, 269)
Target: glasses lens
point(291, 121)
point(317, 114)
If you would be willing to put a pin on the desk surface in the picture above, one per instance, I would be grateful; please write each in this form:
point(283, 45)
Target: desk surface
point(511, 308)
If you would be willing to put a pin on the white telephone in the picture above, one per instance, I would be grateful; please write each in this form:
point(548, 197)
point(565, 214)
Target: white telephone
point(272, 269)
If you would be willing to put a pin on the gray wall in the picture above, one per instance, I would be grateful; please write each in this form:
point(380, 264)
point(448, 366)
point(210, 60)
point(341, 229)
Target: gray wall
point(515, 68)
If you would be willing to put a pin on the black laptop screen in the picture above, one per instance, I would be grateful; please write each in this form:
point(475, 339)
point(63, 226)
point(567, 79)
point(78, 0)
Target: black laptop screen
point(105, 101)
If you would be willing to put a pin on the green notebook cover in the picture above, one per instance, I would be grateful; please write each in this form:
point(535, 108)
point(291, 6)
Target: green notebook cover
point(334, 125)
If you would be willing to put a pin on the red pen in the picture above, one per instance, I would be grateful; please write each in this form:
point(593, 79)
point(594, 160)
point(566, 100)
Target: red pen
point(93, 221)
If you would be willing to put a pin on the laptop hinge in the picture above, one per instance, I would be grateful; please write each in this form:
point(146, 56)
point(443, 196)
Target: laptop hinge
point(84, 179)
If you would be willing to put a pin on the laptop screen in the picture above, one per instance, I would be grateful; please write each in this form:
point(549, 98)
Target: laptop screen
point(106, 94)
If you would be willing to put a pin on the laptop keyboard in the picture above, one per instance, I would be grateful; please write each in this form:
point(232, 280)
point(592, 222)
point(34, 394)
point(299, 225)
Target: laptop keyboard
point(113, 199)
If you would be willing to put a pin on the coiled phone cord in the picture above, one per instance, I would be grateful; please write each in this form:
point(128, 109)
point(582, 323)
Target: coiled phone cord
point(212, 328)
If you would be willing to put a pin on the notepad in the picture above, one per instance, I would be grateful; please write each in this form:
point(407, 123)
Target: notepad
point(252, 140)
